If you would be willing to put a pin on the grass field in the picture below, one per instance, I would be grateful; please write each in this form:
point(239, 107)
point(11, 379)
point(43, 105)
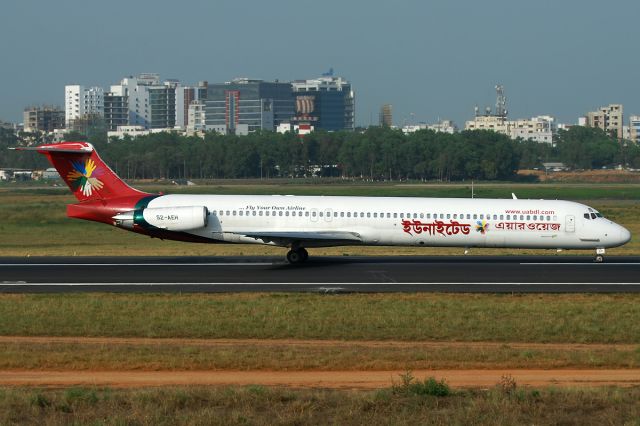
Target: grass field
point(405, 317)
point(34, 221)
point(322, 332)
point(257, 405)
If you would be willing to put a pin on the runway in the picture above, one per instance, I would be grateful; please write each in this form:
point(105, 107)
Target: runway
point(482, 274)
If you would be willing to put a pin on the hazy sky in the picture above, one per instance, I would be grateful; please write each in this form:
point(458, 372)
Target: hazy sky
point(429, 59)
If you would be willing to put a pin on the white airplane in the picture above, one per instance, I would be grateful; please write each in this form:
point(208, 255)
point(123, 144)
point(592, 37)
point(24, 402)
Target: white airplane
point(299, 222)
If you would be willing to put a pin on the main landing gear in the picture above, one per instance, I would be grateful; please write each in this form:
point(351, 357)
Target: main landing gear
point(599, 255)
point(297, 256)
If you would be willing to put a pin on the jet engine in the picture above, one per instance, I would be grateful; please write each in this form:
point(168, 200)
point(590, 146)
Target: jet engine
point(184, 218)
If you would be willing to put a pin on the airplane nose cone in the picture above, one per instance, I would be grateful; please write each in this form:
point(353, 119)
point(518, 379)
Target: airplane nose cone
point(625, 235)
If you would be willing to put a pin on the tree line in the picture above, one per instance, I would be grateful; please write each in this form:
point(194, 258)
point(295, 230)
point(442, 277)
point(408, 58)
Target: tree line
point(376, 153)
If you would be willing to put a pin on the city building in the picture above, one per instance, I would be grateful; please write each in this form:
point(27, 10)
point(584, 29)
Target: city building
point(386, 116)
point(43, 119)
point(185, 96)
point(116, 108)
point(244, 105)
point(609, 119)
point(324, 103)
point(151, 103)
point(442, 126)
point(196, 121)
point(634, 128)
point(540, 129)
point(80, 101)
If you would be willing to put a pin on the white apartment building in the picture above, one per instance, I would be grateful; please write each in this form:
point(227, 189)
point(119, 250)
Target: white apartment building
point(634, 128)
point(442, 126)
point(609, 119)
point(196, 117)
point(539, 129)
point(80, 101)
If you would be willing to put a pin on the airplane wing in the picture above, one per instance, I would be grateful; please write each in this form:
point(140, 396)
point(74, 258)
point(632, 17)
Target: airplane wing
point(342, 236)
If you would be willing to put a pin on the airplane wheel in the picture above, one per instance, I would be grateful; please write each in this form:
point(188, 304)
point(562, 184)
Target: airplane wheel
point(304, 253)
point(598, 259)
point(294, 257)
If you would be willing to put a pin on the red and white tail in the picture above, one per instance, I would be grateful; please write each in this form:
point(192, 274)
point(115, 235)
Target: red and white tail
point(80, 166)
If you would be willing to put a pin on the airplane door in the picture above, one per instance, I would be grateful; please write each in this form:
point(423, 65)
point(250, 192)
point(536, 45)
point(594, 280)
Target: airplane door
point(314, 215)
point(570, 223)
point(327, 215)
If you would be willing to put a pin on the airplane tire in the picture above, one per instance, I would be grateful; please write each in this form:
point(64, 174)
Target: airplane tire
point(294, 257)
point(598, 259)
point(304, 253)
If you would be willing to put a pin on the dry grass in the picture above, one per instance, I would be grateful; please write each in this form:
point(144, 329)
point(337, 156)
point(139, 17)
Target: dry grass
point(292, 356)
point(257, 405)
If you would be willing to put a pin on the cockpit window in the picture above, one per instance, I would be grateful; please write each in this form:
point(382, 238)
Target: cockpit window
point(599, 214)
point(586, 215)
point(593, 216)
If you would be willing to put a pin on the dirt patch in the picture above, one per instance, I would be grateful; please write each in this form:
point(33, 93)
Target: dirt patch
point(318, 379)
point(132, 341)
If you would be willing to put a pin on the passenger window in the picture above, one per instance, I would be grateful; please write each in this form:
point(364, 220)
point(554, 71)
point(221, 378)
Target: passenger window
point(306, 214)
point(401, 215)
point(254, 213)
point(468, 216)
point(508, 217)
point(280, 213)
point(341, 214)
point(239, 213)
point(395, 215)
point(348, 214)
point(375, 215)
point(220, 213)
point(548, 217)
point(286, 213)
point(361, 214)
point(368, 214)
point(428, 215)
point(475, 216)
point(448, 216)
point(421, 215)
point(388, 215)
point(415, 215)
point(501, 217)
point(521, 217)
point(535, 217)
point(260, 213)
point(528, 217)
point(481, 216)
point(335, 214)
point(455, 216)
point(313, 214)
point(555, 218)
point(228, 213)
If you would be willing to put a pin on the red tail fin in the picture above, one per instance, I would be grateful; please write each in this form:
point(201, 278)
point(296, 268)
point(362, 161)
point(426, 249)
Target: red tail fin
point(88, 177)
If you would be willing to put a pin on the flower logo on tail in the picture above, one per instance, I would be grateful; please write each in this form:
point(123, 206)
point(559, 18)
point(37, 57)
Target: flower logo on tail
point(481, 226)
point(81, 177)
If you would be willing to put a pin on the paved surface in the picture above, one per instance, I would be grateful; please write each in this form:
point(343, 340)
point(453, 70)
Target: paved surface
point(320, 274)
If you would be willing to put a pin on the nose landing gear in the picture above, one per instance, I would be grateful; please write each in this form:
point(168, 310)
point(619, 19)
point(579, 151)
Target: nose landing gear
point(599, 258)
point(297, 256)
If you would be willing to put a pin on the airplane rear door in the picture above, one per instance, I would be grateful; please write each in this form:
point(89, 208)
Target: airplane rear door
point(570, 223)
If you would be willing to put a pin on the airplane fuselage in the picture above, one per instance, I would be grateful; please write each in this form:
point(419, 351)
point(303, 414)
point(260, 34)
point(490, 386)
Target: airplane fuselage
point(399, 221)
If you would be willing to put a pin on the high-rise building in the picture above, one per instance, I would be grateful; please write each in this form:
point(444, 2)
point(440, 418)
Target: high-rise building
point(80, 101)
point(151, 103)
point(244, 105)
point(116, 108)
point(386, 116)
point(43, 119)
point(609, 119)
point(325, 103)
point(634, 128)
